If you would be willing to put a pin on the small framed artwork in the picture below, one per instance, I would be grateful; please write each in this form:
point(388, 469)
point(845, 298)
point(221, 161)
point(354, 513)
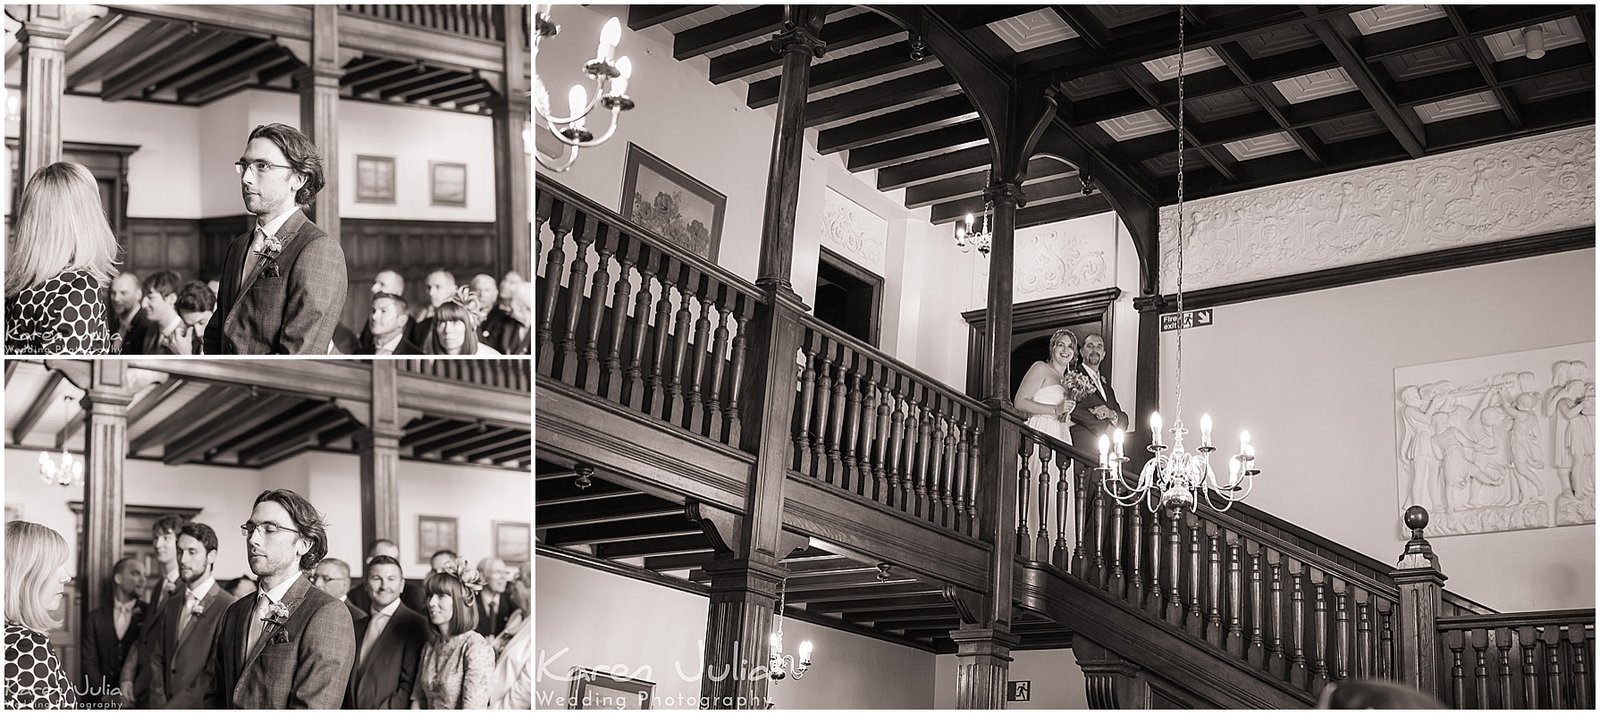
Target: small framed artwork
point(511, 542)
point(374, 179)
point(435, 533)
point(449, 183)
point(593, 689)
point(674, 205)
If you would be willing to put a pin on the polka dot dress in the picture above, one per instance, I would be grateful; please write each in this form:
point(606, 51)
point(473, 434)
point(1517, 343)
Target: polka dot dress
point(34, 678)
point(64, 316)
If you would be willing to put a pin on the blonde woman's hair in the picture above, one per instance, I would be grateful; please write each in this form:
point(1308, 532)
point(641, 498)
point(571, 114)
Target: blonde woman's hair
point(33, 552)
point(61, 226)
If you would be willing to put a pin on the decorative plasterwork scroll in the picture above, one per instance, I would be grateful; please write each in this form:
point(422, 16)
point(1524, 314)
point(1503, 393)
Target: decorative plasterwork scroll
point(1508, 190)
point(853, 231)
point(1498, 443)
point(1057, 260)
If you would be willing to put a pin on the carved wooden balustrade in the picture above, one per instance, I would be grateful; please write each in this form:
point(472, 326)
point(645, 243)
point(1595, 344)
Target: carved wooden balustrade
point(869, 425)
point(498, 373)
point(480, 21)
point(1529, 660)
point(638, 321)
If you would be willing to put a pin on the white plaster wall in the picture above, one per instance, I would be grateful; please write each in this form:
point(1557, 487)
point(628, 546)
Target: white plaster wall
point(1056, 680)
point(415, 137)
point(224, 126)
point(1312, 377)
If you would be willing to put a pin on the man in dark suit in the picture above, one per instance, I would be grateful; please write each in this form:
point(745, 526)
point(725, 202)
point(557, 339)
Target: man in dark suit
point(1098, 411)
point(441, 289)
point(127, 321)
point(391, 640)
point(111, 631)
point(188, 624)
point(283, 283)
point(388, 324)
point(292, 645)
point(412, 591)
point(136, 670)
point(494, 603)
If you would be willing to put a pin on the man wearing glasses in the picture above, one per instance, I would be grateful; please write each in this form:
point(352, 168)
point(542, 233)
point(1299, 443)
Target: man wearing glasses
point(283, 283)
point(290, 646)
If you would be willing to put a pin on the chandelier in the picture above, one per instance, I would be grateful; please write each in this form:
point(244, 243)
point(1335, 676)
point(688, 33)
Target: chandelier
point(976, 235)
point(780, 664)
point(1174, 477)
point(69, 470)
point(610, 91)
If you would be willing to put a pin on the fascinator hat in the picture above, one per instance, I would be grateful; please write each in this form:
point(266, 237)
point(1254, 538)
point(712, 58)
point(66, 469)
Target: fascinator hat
point(469, 576)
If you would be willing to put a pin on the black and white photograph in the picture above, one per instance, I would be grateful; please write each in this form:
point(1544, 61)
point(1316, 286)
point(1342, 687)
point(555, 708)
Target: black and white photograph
point(306, 179)
point(977, 356)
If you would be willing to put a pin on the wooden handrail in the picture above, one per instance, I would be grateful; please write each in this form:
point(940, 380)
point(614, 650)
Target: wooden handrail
point(859, 345)
point(1538, 618)
point(481, 21)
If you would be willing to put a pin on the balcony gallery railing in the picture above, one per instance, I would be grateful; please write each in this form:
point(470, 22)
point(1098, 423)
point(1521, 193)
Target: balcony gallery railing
point(480, 21)
point(637, 321)
point(511, 375)
point(1530, 660)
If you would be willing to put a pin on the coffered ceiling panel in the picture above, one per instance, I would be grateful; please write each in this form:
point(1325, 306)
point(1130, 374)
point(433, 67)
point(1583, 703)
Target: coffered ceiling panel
point(1259, 146)
point(1389, 17)
point(1509, 44)
point(1456, 107)
point(1035, 29)
point(1193, 61)
point(1316, 85)
point(1433, 60)
point(1134, 126)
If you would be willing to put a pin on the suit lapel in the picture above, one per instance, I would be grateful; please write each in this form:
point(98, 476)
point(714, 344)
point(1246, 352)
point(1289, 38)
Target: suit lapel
point(286, 235)
point(291, 600)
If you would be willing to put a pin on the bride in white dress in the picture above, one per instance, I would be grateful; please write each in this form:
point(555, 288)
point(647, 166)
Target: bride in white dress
point(1041, 395)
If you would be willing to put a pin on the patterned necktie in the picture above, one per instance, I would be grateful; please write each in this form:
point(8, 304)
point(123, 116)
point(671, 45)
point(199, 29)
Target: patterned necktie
point(374, 630)
point(256, 623)
point(187, 617)
point(250, 258)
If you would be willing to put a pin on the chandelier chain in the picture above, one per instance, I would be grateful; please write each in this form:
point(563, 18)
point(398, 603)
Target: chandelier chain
point(1178, 406)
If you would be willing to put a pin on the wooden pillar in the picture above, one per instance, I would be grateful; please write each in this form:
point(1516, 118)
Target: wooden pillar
point(43, 36)
point(800, 42)
point(108, 389)
point(738, 623)
point(319, 109)
point(1420, 582)
point(1147, 379)
point(378, 448)
point(510, 111)
point(983, 661)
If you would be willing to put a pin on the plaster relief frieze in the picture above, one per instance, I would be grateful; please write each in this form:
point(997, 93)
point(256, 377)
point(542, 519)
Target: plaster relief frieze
point(1500, 192)
point(1055, 261)
point(853, 231)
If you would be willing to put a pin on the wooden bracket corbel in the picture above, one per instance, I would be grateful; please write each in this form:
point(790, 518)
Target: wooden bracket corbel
point(969, 604)
point(721, 527)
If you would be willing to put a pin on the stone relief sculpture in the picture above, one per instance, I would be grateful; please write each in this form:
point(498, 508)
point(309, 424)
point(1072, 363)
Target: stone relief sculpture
point(1499, 452)
point(854, 231)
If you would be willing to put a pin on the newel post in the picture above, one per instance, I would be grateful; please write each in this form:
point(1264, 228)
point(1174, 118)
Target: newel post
point(1420, 583)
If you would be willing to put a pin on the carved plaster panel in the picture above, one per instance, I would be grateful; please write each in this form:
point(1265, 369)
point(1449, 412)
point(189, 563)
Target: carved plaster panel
point(1508, 190)
point(853, 231)
point(1497, 443)
point(1057, 260)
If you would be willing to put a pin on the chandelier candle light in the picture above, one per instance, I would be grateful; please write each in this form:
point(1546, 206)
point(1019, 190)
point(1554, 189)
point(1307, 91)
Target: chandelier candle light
point(967, 236)
point(1173, 477)
point(780, 664)
point(610, 75)
point(69, 472)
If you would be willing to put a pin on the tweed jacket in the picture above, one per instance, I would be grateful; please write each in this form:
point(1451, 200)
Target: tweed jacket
point(178, 664)
point(303, 665)
point(287, 305)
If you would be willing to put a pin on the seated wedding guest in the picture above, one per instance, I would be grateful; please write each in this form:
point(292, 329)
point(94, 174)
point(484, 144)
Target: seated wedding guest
point(511, 684)
point(453, 672)
point(390, 637)
point(454, 333)
point(195, 304)
point(441, 289)
point(358, 595)
point(493, 320)
point(36, 578)
point(189, 626)
point(171, 333)
point(494, 604)
point(58, 258)
point(127, 322)
point(388, 326)
point(436, 562)
point(385, 282)
point(515, 338)
point(136, 671)
point(110, 631)
point(507, 284)
point(332, 576)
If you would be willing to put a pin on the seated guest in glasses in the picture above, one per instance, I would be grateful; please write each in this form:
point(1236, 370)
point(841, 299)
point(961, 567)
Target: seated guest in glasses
point(283, 283)
point(388, 325)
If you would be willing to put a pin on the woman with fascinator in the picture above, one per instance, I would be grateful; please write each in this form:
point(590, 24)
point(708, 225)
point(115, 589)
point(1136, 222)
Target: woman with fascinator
point(454, 669)
point(455, 328)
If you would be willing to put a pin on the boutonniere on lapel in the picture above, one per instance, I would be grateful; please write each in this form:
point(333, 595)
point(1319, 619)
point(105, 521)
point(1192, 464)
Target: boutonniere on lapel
point(198, 609)
point(278, 620)
point(270, 249)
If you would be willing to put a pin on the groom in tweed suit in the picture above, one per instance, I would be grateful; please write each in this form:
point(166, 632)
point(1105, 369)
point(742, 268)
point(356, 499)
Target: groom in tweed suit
point(290, 646)
point(283, 283)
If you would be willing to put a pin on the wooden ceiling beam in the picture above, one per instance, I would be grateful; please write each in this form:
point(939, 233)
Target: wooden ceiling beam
point(1404, 128)
point(643, 17)
point(1213, 157)
point(628, 531)
point(1234, 60)
point(1480, 59)
point(1038, 193)
point(931, 84)
point(493, 440)
point(136, 79)
point(415, 83)
point(224, 427)
point(862, 592)
point(1082, 22)
point(215, 400)
point(256, 51)
point(338, 430)
point(671, 563)
point(1067, 209)
point(971, 184)
point(454, 94)
point(228, 76)
point(921, 172)
point(922, 613)
point(145, 42)
point(888, 603)
point(263, 21)
point(555, 493)
point(312, 418)
point(840, 72)
point(393, 79)
point(936, 114)
point(827, 582)
point(676, 545)
point(842, 34)
point(611, 510)
point(444, 430)
point(384, 68)
point(275, 69)
point(919, 146)
point(728, 31)
point(509, 450)
point(89, 36)
point(36, 408)
point(443, 87)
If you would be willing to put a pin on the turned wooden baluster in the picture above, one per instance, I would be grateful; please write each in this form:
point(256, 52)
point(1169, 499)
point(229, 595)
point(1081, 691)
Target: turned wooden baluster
point(611, 367)
point(821, 403)
point(1193, 617)
point(719, 360)
point(923, 482)
point(1527, 637)
point(1214, 580)
point(1457, 686)
point(661, 350)
point(1366, 643)
point(963, 476)
point(1023, 541)
point(562, 217)
point(910, 487)
point(1578, 637)
point(1086, 492)
point(850, 478)
point(567, 347)
point(1155, 596)
point(949, 463)
point(803, 422)
point(1097, 539)
point(974, 454)
point(1297, 624)
point(682, 327)
point(1276, 663)
point(1174, 612)
point(605, 246)
point(747, 307)
point(1502, 643)
point(634, 387)
point(1552, 670)
point(937, 434)
point(1480, 667)
point(1319, 631)
point(896, 477)
point(883, 389)
point(866, 479)
point(1341, 637)
point(843, 368)
point(1058, 555)
point(1136, 589)
point(1386, 661)
point(1234, 639)
point(1041, 544)
point(1115, 584)
point(695, 420)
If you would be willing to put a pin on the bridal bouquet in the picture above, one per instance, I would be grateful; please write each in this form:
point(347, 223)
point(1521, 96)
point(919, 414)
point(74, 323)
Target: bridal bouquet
point(1076, 384)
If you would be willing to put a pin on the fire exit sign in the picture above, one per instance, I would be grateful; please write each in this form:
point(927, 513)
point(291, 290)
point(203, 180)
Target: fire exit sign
point(1019, 691)
point(1191, 319)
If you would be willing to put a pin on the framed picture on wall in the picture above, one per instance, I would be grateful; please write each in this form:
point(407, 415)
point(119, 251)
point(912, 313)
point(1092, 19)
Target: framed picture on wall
point(671, 203)
point(594, 689)
point(449, 183)
point(435, 533)
point(374, 179)
point(512, 542)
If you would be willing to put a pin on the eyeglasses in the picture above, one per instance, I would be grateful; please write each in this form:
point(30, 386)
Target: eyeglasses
point(315, 578)
point(259, 167)
point(270, 529)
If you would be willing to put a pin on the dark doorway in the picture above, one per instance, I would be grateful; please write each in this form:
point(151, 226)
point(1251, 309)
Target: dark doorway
point(848, 297)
